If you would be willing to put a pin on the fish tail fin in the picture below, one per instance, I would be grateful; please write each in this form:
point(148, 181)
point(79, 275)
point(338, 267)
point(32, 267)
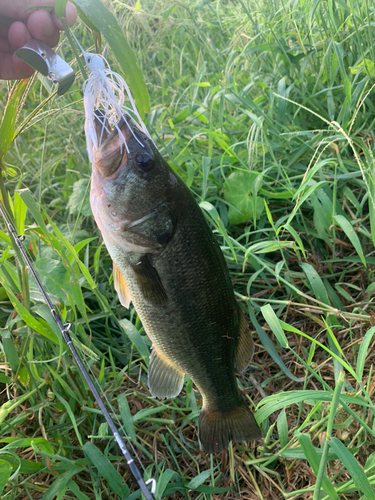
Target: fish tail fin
point(217, 429)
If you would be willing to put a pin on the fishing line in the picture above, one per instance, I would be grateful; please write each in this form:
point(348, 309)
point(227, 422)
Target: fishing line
point(64, 329)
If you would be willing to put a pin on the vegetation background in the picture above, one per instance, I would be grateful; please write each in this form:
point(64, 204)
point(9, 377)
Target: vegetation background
point(265, 109)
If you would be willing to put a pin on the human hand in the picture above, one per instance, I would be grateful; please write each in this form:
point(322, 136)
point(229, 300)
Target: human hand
point(18, 26)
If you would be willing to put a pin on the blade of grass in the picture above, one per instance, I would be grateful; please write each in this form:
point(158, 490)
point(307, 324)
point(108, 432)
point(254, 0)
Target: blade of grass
point(321, 475)
point(355, 470)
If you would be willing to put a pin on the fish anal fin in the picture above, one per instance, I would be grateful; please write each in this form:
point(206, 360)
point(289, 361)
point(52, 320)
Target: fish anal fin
point(121, 287)
point(245, 346)
point(165, 380)
point(149, 282)
point(217, 429)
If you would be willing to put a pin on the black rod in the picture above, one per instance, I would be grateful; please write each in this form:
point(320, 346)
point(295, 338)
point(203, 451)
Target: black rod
point(64, 329)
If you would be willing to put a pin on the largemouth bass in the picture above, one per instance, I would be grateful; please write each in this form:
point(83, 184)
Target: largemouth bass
point(168, 263)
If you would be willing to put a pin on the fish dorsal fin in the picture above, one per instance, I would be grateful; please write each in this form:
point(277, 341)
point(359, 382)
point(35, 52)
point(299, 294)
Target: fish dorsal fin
point(165, 380)
point(245, 346)
point(121, 287)
point(149, 282)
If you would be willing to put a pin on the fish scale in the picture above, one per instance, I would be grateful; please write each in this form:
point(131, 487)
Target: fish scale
point(169, 264)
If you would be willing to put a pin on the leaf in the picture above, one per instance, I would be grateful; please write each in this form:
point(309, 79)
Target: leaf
point(363, 352)
point(274, 324)
point(52, 274)
point(213, 489)
point(351, 234)
point(9, 117)
point(4, 379)
point(16, 442)
point(282, 428)
point(19, 213)
point(208, 207)
point(365, 63)
point(25, 467)
point(74, 488)
point(146, 412)
point(28, 318)
point(69, 410)
point(297, 452)
point(5, 472)
point(60, 483)
point(114, 480)
point(238, 190)
point(370, 462)
point(314, 460)
point(71, 249)
point(11, 354)
point(199, 479)
point(77, 295)
point(270, 348)
point(281, 90)
point(60, 8)
point(43, 446)
point(136, 338)
point(79, 202)
point(296, 236)
point(353, 467)
point(344, 363)
point(273, 403)
point(163, 481)
point(126, 416)
point(316, 283)
point(303, 198)
point(35, 212)
point(340, 59)
point(106, 23)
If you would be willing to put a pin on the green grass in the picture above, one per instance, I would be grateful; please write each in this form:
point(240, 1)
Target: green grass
point(265, 109)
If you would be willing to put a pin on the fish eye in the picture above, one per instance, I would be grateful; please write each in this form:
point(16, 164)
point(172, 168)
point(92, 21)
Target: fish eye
point(145, 162)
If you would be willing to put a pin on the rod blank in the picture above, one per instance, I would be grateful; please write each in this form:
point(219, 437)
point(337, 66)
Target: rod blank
point(64, 329)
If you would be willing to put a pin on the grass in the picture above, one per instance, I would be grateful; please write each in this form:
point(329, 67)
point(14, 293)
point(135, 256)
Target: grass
point(265, 110)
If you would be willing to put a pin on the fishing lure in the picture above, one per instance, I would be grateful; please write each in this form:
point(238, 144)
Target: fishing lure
point(105, 91)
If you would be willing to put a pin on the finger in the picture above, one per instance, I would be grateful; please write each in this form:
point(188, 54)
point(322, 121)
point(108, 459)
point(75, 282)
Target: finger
point(5, 48)
point(16, 8)
point(5, 23)
point(42, 27)
point(18, 35)
point(70, 16)
point(12, 68)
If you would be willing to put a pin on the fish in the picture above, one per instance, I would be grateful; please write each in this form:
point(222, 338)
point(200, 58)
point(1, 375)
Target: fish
point(167, 262)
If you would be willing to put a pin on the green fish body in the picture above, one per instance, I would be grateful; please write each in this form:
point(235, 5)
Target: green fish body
point(168, 263)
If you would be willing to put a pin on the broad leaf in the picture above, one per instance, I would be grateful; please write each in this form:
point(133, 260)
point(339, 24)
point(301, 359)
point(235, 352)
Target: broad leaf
point(5, 472)
point(79, 200)
point(238, 192)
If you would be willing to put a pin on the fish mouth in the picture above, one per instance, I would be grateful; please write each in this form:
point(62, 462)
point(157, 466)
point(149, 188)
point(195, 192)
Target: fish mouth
point(113, 150)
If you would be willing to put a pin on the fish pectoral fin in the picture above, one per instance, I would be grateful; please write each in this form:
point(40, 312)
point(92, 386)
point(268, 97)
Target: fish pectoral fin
point(165, 380)
point(121, 287)
point(149, 282)
point(245, 346)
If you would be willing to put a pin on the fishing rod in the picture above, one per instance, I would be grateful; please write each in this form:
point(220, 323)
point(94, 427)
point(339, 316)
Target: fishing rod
point(64, 329)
